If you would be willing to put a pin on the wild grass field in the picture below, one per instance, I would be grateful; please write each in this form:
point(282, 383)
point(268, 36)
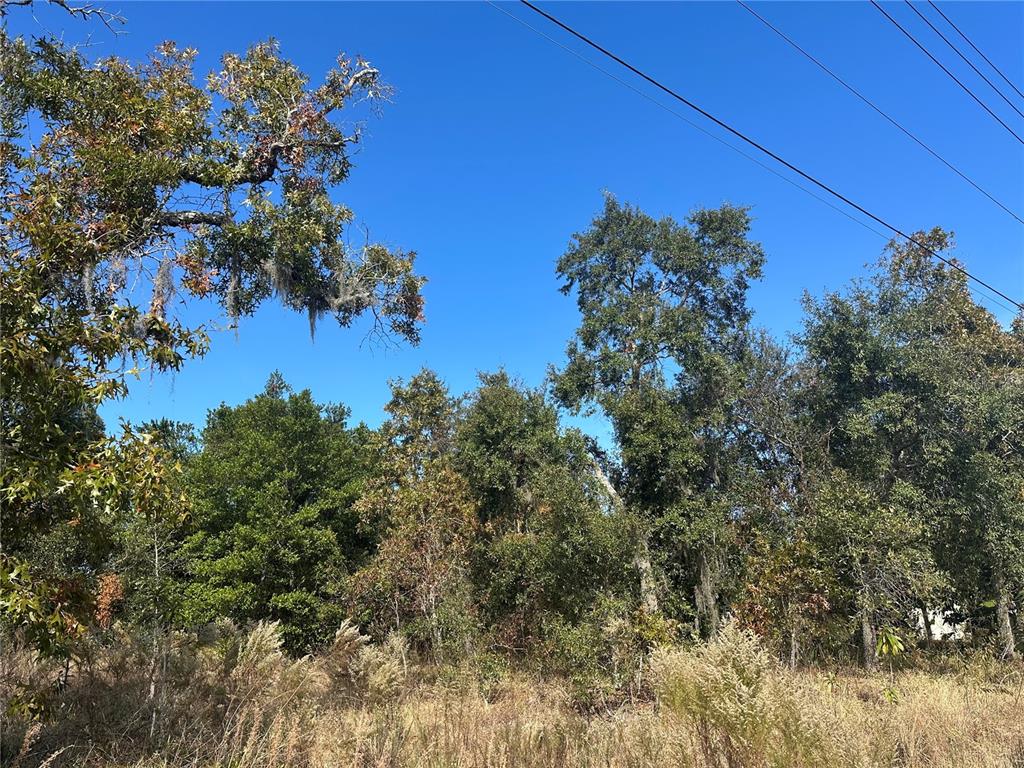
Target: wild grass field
point(238, 701)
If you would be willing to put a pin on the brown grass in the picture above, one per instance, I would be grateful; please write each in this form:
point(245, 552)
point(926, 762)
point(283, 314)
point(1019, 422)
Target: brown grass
point(242, 703)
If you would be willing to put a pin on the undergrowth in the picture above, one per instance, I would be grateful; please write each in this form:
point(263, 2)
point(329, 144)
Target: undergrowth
point(233, 698)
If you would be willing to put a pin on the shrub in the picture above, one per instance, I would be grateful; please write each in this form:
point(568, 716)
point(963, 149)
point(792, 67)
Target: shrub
point(743, 708)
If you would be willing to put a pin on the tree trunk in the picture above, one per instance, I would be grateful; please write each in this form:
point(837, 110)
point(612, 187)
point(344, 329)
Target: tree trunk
point(1004, 629)
point(793, 620)
point(642, 556)
point(794, 647)
point(926, 621)
point(706, 597)
point(648, 588)
point(867, 633)
point(155, 667)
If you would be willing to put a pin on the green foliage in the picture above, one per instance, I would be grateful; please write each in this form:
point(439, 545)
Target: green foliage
point(879, 550)
point(911, 383)
point(419, 512)
point(823, 496)
point(890, 643)
point(549, 544)
point(273, 531)
point(41, 607)
point(506, 439)
point(789, 593)
point(660, 350)
point(102, 236)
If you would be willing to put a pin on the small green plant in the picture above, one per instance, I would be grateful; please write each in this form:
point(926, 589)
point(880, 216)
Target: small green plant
point(889, 646)
point(891, 694)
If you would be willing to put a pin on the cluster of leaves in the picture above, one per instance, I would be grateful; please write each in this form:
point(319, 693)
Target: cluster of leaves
point(272, 531)
point(457, 524)
point(872, 479)
point(811, 497)
point(137, 191)
point(883, 436)
point(661, 350)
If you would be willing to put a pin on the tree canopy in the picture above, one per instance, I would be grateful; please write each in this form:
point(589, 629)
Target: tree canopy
point(141, 190)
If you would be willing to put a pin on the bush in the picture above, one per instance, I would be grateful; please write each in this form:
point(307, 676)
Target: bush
point(744, 709)
point(224, 697)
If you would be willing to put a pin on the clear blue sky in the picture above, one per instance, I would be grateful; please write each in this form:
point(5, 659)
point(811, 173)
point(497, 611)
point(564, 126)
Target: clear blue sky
point(498, 146)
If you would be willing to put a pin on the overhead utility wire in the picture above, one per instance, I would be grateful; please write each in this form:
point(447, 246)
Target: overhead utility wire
point(942, 66)
point(977, 50)
point(765, 150)
point(980, 292)
point(877, 109)
point(969, 63)
point(690, 122)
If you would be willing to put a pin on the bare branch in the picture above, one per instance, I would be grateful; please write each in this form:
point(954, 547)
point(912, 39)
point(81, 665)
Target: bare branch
point(85, 12)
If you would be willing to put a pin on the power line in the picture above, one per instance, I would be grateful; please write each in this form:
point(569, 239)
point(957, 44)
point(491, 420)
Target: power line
point(941, 66)
point(980, 292)
point(877, 109)
point(689, 122)
point(765, 150)
point(968, 61)
point(977, 50)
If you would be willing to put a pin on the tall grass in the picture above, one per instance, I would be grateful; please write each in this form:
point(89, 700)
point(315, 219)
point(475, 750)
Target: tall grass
point(742, 709)
point(236, 700)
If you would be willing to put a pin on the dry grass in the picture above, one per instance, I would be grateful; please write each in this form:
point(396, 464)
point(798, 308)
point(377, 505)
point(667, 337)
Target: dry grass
point(239, 702)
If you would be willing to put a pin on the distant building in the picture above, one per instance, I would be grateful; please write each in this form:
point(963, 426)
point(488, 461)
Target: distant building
point(941, 629)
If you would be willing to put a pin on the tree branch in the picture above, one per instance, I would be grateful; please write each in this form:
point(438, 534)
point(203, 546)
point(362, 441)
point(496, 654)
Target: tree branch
point(190, 218)
point(86, 11)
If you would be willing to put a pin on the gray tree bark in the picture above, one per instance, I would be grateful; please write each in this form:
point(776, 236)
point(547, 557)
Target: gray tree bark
point(648, 588)
point(1004, 629)
point(867, 633)
point(926, 621)
point(642, 555)
point(706, 598)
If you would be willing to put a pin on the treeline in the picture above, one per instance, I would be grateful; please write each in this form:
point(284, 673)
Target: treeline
point(868, 482)
point(837, 498)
